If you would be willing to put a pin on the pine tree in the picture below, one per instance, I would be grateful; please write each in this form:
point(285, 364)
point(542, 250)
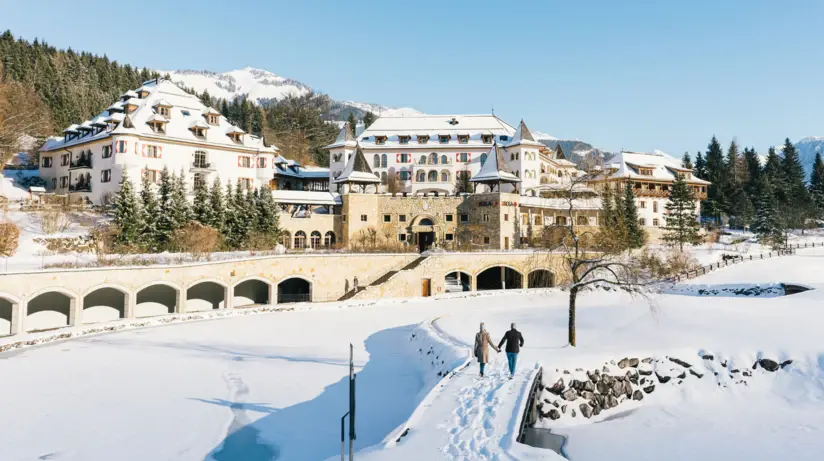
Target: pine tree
point(686, 161)
point(151, 210)
point(681, 223)
point(181, 212)
point(700, 170)
point(268, 222)
point(353, 123)
point(230, 217)
point(611, 235)
point(217, 205)
point(202, 210)
point(767, 224)
point(717, 175)
point(636, 236)
point(368, 119)
point(166, 223)
point(795, 203)
point(127, 214)
point(753, 165)
point(817, 187)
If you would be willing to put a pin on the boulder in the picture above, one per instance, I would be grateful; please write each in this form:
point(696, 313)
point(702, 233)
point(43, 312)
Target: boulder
point(563, 409)
point(557, 388)
point(610, 402)
point(623, 363)
point(602, 387)
point(570, 394)
point(566, 372)
point(596, 411)
point(735, 370)
point(649, 389)
point(637, 395)
point(747, 373)
point(696, 374)
point(575, 384)
point(555, 404)
point(553, 414)
point(708, 357)
point(632, 377)
point(647, 360)
point(645, 372)
point(633, 362)
point(680, 362)
point(608, 379)
point(587, 395)
point(724, 363)
point(586, 410)
point(786, 363)
point(682, 375)
point(642, 381)
point(605, 369)
point(662, 379)
point(589, 386)
point(594, 376)
point(572, 413)
point(769, 365)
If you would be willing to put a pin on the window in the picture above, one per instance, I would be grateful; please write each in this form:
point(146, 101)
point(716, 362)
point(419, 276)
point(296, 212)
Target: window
point(582, 220)
point(486, 138)
point(120, 147)
point(560, 221)
point(383, 160)
point(433, 158)
point(64, 159)
point(483, 159)
point(200, 160)
point(244, 162)
point(261, 162)
point(524, 219)
point(642, 221)
point(300, 239)
point(245, 183)
point(212, 119)
point(432, 176)
point(64, 182)
point(158, 127)
point(444, 176)
point(449, 237)
point(154, 175)
point(403, 139)
point(655, 222)
point(422, 160)
point(54, 183)
point(387, 218)
point(380, 140)
point(376, 161)
point(421, 176)
point(329, 239)
point(403, 158)
point(314, 240)
point(504, 138)
point(463, 157)
point(343, 217)
point(198, 131)
point(401, 237)
point(506, 216)
point(363, 218)
point(444, 138)
point(645, 172)
point(152, 152)
point(642, 204)
point(655, 207)
point(199, 180)
point(401, 218)
point(423, 139)
point(536, 220)
point(486, 218)
point(47, 162)
point(107, 151)
point(463, 139)
point(106, 176)
point(186, 113)
point(404, 175)
point(450, 217)
point(486, 240)
point(464, 218)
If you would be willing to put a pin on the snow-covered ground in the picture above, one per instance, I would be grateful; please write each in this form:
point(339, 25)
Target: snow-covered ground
point(273, 386)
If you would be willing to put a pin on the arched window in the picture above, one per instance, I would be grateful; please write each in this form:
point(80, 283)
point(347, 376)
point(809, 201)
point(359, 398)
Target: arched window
point(423, 160)
point(483, 159)
point(300, 240)
point(444, 160)
point(444, 176)
point(376, 161)
point(314, 240)
point(329, 239)
point(433, 176)
point(384, 178)
point(383, 160)
point(378, 174)
point(421, 176)
point(286, 239)
point(583, 220)
point(433, 158)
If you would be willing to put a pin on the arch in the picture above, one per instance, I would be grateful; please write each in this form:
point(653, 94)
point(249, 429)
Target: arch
point(300, 240)
point(251, 291)
point(286, 239)
point(445, 176)
point(376, 161)
point(314, 240)
point(498, 277)
point(444, 159)
point(426, 222)
point(421, 176)
point(156, 298)
point(432, 176)
point(206, 295)
point(104, 303)
point(541, 278)
point(457, 281)
point(294, 289)
point(582, 220)
point(383, 161)
point(433, 158)
point(384, 178)
point(49, 308)
point(329, 239)
point(8, 304)
point(422, 160)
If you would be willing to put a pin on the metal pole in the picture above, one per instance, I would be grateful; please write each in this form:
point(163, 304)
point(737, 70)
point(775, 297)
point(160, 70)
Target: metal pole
point(351, 403)
point(343, 437)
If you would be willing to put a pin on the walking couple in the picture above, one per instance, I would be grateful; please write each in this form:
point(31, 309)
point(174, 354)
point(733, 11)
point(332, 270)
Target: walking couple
point(513, 339)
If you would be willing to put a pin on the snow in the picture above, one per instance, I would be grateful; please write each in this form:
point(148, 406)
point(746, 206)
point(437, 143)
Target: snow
point(273, 385)
point(9, 186)
point(383, 111)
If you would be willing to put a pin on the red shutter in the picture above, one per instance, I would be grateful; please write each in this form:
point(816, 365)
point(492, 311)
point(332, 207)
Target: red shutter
point(239, 160)
point(469, 157)
point(159, 151)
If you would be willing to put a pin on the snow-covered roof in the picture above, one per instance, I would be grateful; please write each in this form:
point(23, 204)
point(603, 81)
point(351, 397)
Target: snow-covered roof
point(234, 130)
point(87, 125)
point(296, 171)
point(116, 106)
point(301, 197)
point(133, 102)
point(71, 128)
point(494, 169)
point(116, 117)
point(157, 118)
point(629, 164)
point(344, 139)
point(129, 94)
point(99, 121)
point(210, 111)
point(161, 103)
point(198, 123)
point(433, 126)
point(357, 170)
point(144, 89)
point(593, 203)
point(523, 136)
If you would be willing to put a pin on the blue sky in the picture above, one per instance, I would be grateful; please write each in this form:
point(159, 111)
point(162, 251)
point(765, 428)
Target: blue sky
point(638, 75)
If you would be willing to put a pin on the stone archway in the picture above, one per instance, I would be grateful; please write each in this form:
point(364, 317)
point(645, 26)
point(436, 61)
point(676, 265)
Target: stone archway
point(49, 310)
point(498, 277)
point(104, 304)
point(251, 292)
point(156, 299)
point(457, 281)
point(540, 278)
point(205, 296)
point(294, 290)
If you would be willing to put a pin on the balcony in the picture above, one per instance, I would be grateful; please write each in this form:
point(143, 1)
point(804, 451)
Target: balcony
point(204, 167)
point(83, 163)
point(80, 187)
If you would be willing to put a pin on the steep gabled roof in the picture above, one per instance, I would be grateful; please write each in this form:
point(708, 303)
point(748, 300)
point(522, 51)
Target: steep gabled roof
point(523, 136)
point(357, 170)
point(494, 169)
point(344, 139)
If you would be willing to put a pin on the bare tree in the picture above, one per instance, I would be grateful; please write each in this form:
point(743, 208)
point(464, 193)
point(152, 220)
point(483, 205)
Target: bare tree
point(22, 114)
point(584, 261)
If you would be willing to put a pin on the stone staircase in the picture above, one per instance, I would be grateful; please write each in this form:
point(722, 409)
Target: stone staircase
point(382, 279)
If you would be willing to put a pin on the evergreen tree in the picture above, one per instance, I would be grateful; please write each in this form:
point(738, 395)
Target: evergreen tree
point(681, 223)
point(817, 187)
point(686, 161)
point(151, 209)
point(202, 210)
point(636, 236)
point(611, 235)
point(127, 214)
point(353, 123)
point(717, 175)
point(753, 165)
point(772, 167)
point(368, 119)
point(700, 170)
point(166, 223)
point(230, 217)
point(767, 224)
point(217, 205)
point(795, 203)
point(181, 212)
point(268, 215)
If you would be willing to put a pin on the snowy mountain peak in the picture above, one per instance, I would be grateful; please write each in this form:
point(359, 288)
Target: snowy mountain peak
point(257, 84)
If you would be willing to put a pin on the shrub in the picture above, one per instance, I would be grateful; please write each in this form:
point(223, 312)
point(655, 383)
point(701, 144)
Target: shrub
point(663, 265)
point(197, 239)
point(261, 241)
point(9, 238)
point(52, 221)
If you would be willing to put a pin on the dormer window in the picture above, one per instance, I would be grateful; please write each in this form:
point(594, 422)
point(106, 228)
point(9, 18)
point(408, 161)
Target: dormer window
point(463, 138)
point(444, 138)
point(236, 137)
point(380, 140)
point(645, 171)
point(486, 138)
point(423, 139)
point(158, 127)
point(212, 116)
point(504, 138)
point(212, 119)
point(164, 111)
point(403, 139)
point(199, 131)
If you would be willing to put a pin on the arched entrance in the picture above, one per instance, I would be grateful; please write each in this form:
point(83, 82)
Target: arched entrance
point(205, 296)
point(294, 290)
point(157, 299)
point(49, 310)
point(250, 293)
point(6, 309)
point(457, 281)
point(424, 231)
point(104, 305)
point(540, 278)
point(497, 278)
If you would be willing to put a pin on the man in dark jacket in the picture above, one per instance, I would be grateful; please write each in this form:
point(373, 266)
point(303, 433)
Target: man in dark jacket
point(514, 341)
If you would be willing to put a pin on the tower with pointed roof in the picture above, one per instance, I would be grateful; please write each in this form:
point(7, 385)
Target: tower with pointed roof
point(340, 151)
point(356, 175)
point(495, 173)
point(523, 157)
